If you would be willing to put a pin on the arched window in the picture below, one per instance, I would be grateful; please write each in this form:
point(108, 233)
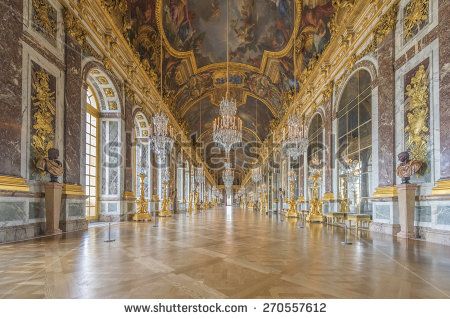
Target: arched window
point(355, 142)
point(103, 137)
point(91, 176)
point(142, 163)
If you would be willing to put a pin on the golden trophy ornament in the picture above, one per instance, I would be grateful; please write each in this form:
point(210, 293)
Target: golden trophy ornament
point(315, 211)
point(142, 213)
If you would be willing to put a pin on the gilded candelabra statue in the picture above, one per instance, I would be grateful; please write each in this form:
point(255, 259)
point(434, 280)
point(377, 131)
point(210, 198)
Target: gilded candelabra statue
point(315, 210)
point(165, 211)
point(344, 207)
point(292, 211)
point(191, 208)
point(142, 213)
point(263, 204)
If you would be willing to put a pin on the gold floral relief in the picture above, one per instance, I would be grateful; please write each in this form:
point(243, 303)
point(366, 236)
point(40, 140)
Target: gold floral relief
point(415, 17)
point(45, 18)
point(417, 116)
point(44, 104)
point(109, 92)
point(74, 28)
point(112, 105)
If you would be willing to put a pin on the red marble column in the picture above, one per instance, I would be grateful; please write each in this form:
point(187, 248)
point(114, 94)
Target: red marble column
point(444, 86)
point(10, 86)
point(328, 147)
point(129, 172)
point(386, 112)
point(73, 113)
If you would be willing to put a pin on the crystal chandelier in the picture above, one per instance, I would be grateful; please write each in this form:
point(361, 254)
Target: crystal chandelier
point(228, 176)
point(227, 128)
point(295, 143)
point(161, 140)
point(256, 175)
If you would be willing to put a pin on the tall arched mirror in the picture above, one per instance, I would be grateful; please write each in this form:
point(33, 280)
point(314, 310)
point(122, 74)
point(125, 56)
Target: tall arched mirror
point(354, 137)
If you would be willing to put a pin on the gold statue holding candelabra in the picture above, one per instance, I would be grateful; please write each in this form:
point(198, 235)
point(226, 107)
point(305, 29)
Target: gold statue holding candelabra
point(263, 204)
point(142, 213)
point(315, 210)
point(165, 204)
point(292, 212)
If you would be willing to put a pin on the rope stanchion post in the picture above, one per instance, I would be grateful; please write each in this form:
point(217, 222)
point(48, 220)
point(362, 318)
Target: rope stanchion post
point(109, 234)
point(346, 242)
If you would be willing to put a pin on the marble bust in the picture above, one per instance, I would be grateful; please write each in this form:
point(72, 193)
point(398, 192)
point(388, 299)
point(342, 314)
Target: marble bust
point(407, 167)
point(51, 165)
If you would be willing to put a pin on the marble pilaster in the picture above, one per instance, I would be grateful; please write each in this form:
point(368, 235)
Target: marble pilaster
point(444, 87)
point(73, 114)
point(328, 149)
point(128, 177)
point(386, 111)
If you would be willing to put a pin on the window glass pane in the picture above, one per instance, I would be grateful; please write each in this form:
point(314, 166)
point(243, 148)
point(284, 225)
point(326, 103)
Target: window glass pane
point(365, 135)
point(342, 126)
point(365, 110)
point(353, 119)
point(364, 80)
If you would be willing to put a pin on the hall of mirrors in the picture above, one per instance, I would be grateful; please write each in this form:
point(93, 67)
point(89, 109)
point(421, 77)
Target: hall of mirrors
point(217, 121)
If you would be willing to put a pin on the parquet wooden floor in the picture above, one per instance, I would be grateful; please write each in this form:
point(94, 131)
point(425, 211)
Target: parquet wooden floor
point(223, 254)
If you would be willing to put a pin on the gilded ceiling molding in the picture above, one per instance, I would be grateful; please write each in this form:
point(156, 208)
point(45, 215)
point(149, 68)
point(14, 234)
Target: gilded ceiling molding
point(342, 7)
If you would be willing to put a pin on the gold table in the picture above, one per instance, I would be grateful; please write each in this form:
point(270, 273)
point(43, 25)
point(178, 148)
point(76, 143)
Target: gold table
point(332, 218)
point(359, 219)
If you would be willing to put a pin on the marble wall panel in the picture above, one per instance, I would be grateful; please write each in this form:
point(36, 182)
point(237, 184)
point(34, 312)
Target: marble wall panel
point(423, 214)
point(12, 212)
point(382, 212)
point(11, 86)
point(36, 210)
point(443, 215)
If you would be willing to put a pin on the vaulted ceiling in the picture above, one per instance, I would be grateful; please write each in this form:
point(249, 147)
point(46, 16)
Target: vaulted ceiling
point(194, 57)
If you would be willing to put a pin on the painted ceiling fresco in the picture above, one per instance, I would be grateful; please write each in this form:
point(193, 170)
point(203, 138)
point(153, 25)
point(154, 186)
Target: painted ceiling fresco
point(255, 26)
point(260, 46)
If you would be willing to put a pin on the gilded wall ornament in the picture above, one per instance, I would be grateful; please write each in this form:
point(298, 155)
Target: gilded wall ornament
point(416, 15)
point(45, 18)
point(74, 28)
point(43, 118)
point(417, 116)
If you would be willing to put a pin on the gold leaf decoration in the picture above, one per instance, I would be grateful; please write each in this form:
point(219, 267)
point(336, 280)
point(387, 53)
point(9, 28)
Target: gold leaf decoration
point(44, 18)
point(417, 113)
point(43, 118)
point(74, 28)
point(416, 14)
